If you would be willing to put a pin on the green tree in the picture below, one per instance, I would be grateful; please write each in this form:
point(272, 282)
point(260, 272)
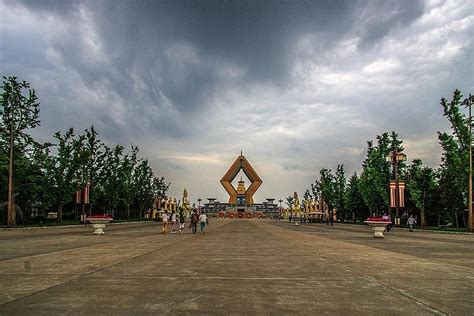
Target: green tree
point(144, 182)
point(19, 112)
point(66, 168)
point(316, 189)
point(127, 178)
point(307, 195)
point(454, 168)
point(289, 201)
point(111, 178)
point(33, 191)
point(92, 150)
point(421, 181)
point(353, 199)
point(327, 186)
point(376, 171)
point(339, 190)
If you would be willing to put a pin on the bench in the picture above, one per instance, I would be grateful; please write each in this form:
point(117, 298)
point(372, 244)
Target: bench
point(52, 215)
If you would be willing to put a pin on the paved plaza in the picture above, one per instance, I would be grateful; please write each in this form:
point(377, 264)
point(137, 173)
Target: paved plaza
point(243, 267)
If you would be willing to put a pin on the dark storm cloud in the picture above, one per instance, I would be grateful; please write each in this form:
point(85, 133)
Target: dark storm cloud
point(379, 18)
point(50, 6)
point(256, 35)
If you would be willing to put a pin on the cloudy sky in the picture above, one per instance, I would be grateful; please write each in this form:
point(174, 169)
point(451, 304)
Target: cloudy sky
point(297, 85)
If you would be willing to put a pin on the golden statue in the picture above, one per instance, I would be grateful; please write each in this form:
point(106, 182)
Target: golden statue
point(296, 205)
point(185, 204)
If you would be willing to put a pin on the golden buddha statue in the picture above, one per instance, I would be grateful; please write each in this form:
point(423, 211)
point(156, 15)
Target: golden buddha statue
point(296, 205)
point(185, 204)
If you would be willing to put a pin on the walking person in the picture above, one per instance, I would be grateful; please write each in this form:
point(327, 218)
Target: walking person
point(203, 221)
point(164, 221)
point(411, 221)
point(173, 222)
point(194, 221)
point(181, 221)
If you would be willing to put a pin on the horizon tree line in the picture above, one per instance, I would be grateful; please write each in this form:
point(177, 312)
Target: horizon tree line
point(36, 178)
point(434, 195)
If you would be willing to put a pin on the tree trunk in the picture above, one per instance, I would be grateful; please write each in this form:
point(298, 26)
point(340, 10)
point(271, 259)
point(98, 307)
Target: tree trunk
point(422, 212)
point(422, 217)
point(353, 216)
point(11, 206)
point(456, 218)
point(60, 213)
point(128, 210)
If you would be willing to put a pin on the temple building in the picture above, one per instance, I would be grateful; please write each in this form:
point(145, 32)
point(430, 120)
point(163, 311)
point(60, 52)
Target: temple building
point(241, 198)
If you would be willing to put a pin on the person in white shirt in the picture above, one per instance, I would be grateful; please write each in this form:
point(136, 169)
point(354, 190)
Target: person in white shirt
point(173, 222)
point(203, 222)
point(164, 221)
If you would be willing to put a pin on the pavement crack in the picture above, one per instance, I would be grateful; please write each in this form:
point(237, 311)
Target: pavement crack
point(426, 305)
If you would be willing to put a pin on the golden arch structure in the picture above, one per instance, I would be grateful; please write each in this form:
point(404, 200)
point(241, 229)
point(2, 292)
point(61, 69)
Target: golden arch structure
point(241, 163)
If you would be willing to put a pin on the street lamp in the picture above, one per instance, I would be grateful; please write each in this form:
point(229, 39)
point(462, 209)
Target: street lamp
point(468, 103)
point(291, 211)
point(394, 157)
point(199, 205)
point(279, 211)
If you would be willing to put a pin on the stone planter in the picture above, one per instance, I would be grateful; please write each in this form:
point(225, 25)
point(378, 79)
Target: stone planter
point(98, 223)
point(378, 226)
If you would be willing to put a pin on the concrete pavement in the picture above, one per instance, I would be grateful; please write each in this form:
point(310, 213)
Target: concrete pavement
point(237, 267)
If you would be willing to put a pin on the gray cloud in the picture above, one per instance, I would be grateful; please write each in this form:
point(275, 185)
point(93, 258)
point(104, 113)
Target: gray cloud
point(379, 18)
point(297, 85)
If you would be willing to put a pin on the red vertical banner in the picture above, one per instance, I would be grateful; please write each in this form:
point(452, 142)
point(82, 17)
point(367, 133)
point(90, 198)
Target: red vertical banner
point(78, 197)
point(393, 188)
point(401, 193)
point(86, 194)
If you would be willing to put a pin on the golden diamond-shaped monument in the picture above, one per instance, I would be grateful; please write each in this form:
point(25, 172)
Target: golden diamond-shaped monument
point(241, 163)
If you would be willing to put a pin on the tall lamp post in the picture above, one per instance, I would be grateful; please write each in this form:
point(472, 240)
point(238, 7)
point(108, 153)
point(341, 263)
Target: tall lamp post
point(279, 211)
point(468, 103)
point(394, 157)
point(291, 211)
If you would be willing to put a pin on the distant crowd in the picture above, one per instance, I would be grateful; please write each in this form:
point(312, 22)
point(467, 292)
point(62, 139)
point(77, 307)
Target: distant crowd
point(178, 220)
